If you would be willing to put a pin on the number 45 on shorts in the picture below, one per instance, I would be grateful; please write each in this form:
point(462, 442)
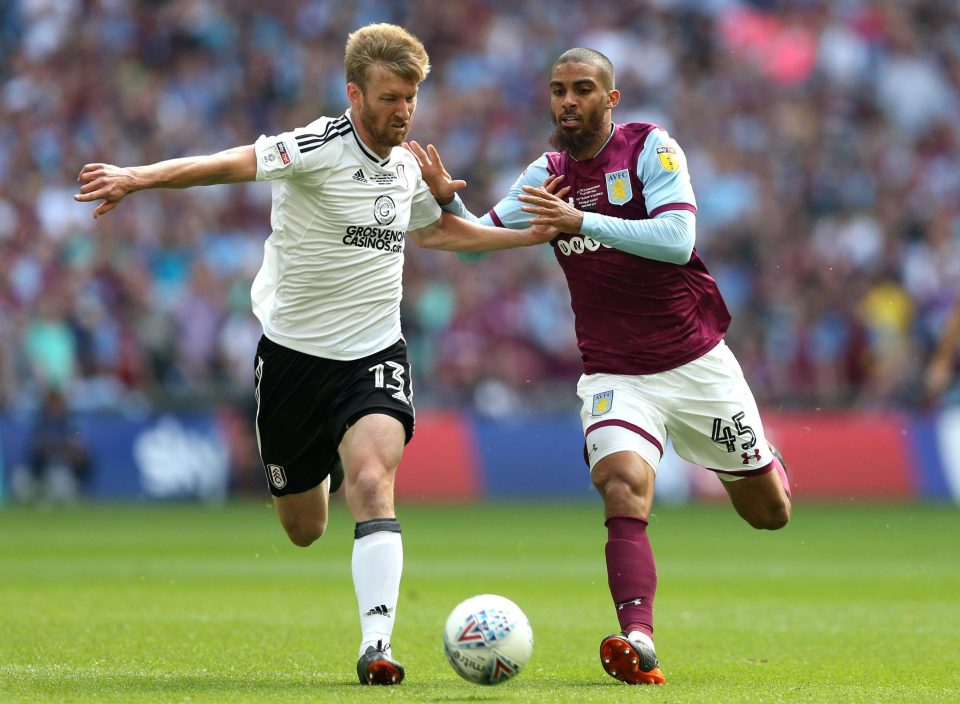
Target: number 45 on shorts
point(728, 433)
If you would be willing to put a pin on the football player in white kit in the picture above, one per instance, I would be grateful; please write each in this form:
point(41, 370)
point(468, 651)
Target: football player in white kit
point(332, 380)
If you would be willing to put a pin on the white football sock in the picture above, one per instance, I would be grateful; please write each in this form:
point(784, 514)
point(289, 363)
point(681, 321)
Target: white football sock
point(377, 564)
point(640, 637)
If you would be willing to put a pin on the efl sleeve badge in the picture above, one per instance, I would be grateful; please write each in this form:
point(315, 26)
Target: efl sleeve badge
point(668, 157)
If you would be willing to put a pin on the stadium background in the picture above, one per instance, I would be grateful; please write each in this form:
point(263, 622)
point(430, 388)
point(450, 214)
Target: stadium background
point(823, 143)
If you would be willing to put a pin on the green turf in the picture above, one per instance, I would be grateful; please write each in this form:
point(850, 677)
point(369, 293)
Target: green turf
point(191, 604)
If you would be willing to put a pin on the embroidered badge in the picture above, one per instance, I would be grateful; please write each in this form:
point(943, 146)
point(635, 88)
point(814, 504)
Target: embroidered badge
point(602, 403)
point(277, 476)
point(402, 175)
point(668, 157)
point(619, 190)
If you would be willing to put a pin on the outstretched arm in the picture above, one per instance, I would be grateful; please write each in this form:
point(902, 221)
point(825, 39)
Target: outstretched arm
point(110, 184)
point(668, 237)
point(454, 234)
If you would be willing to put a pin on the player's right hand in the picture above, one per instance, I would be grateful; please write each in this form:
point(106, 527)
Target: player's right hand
point(106, 183)
point(442, 185)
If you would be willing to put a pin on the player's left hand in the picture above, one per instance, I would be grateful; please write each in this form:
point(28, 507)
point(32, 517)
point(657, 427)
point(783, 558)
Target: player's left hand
point(443, 186)
point(547, 204)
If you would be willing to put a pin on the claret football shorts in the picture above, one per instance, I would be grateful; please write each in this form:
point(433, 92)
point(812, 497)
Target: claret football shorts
point(705, 407)
point(305, 404)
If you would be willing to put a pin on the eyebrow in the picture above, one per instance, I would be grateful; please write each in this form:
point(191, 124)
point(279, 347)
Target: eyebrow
point(397, 94)
point(578, 82)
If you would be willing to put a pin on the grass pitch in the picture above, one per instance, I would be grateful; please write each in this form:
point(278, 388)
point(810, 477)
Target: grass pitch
point(193, 604)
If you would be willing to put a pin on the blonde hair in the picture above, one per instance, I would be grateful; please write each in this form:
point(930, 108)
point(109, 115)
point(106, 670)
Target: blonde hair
point(391, 46)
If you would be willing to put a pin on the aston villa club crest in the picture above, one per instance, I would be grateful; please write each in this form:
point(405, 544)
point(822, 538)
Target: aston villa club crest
point(619, 189)
point(602, 403)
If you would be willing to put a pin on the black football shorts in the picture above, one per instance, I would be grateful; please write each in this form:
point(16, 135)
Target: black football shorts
point(305, 404)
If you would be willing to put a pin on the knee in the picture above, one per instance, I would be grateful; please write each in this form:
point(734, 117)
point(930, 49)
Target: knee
point(304, 533)
point(625, 495)
point(774, 518)
point(371, 481)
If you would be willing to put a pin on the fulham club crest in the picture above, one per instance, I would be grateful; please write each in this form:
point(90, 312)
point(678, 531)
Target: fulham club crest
point(277, 476)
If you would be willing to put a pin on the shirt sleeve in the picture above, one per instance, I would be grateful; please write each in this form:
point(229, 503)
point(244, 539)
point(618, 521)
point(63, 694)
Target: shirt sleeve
point(306, 153)
point(669, 237)
point(507, 212)
point(669, 234)
point(662, 168)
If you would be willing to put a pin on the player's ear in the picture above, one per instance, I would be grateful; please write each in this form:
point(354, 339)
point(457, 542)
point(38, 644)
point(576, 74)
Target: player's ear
point(613, 97)
point(354, 93)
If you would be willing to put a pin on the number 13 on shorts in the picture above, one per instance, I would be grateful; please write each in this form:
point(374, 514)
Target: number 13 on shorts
point(395, 384)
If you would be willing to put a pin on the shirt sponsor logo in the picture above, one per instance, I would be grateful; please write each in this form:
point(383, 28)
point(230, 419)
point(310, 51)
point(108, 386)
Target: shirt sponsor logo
point(375, 238)
point(384, 210)
point(602, 403)
point(578, 245)
point(619, 188)
point(668, 157)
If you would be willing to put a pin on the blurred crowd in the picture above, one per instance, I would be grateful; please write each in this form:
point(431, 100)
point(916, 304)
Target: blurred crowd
point(823, 138)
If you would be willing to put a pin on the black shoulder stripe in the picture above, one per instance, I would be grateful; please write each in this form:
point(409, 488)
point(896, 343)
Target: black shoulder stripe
point(309, 141)
point(306, 147)
point(331, 126)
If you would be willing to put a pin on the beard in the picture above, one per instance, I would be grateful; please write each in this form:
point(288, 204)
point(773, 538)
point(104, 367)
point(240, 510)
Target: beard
point(590, 133)
point(383, 135)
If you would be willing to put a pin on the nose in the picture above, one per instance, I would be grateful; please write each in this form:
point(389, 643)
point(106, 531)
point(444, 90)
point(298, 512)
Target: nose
point(404, 109)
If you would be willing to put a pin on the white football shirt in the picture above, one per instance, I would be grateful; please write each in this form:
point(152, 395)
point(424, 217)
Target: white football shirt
point(331, 279)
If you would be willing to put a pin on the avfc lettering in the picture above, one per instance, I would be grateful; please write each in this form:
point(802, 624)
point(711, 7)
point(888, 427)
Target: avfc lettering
point(378, 238)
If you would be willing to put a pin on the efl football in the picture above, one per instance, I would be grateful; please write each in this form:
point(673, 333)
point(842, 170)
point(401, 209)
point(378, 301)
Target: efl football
point(487, 639)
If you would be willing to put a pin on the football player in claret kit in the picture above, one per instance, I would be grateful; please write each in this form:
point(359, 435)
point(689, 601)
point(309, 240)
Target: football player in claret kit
point(650, 323)
point(332, 381)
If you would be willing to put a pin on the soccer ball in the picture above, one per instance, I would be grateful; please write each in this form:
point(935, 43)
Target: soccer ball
point(487, 639)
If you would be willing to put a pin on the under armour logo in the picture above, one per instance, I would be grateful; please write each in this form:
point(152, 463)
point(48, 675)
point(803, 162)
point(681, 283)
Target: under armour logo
point(380, 610)
point(746, 456)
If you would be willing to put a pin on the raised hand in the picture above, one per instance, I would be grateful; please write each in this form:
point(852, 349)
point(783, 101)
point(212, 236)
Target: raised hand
point(106, 183)
point(547, 204)
point(541, 230)
point(441, 183)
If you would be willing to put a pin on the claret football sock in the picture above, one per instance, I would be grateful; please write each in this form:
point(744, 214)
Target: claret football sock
point(377, 564)
point(780, 466)
point(631, 572)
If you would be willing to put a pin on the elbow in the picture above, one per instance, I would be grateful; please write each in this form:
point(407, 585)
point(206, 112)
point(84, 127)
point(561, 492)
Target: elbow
point(681, 254)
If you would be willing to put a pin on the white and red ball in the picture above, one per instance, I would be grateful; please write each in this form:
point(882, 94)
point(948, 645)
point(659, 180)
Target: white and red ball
point(487, 639)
